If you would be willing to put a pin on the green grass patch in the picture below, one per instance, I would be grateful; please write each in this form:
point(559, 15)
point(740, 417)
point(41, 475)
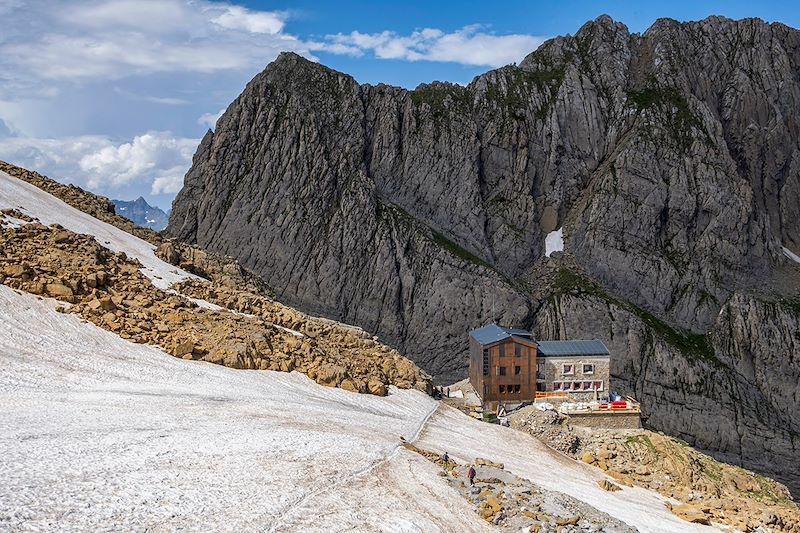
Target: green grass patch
point(443, 98)
point(489, 416)
point(520, 84)
point(640, 440)
point(670, 104)
point(792, 304)
point(693, 345)
point(680, 442)
point(712, 469)
point(389, 212)
point(456, 250)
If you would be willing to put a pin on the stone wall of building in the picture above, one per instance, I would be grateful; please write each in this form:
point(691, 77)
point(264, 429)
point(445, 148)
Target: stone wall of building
point(606, 420)
point(576, 383)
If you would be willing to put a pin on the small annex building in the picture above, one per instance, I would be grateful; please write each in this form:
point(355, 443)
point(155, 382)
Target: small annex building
point(509, 366)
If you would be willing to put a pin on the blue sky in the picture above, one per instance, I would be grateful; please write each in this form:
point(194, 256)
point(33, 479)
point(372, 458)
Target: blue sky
point(113, 95)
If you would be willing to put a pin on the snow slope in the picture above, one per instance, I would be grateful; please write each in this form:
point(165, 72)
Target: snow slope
point(97, 433)
point(100, 433)
point(49, 210)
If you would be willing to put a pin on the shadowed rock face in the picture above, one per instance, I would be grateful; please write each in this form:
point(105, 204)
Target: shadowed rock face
point(670, 159)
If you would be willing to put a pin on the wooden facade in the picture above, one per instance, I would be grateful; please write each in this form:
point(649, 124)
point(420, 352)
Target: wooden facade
point(503, 371)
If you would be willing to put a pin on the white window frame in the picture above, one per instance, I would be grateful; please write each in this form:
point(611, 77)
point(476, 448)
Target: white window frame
point(590, 365)
point(564, 369)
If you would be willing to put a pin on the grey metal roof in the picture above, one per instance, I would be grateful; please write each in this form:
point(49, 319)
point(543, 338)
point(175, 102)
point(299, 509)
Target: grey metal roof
point(550, 348)
point(492, 333)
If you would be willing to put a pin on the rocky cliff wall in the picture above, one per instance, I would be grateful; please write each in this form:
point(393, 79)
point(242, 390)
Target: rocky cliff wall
point(670, 159)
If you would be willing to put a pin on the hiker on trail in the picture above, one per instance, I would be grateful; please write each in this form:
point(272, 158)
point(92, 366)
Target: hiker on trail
point(471, 475)
point(446, 458)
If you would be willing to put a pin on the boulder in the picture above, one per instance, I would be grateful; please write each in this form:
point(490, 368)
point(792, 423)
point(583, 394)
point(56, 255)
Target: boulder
point(485, 462)
point(607, 485)
point(604, 455)
point(16, 270)
point(62, 236)
point(691, 513)
point(183, 348)
point(376, 387)
point(59, 291)
point(331, 375)
point(168, 253)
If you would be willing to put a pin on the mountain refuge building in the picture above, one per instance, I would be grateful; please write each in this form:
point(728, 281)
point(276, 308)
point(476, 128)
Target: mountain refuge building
point(509, 366)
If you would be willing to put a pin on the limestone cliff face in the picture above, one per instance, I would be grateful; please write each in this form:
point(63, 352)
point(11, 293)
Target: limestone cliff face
point(671, 159)
point(734, 392)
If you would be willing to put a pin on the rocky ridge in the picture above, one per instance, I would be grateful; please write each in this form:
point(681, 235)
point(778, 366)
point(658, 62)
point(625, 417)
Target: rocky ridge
point(99, 207)
point(418, 215)
point(108, 289)
point(706, 490)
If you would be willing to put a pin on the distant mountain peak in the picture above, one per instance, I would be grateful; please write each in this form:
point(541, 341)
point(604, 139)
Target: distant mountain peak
point(141, 213)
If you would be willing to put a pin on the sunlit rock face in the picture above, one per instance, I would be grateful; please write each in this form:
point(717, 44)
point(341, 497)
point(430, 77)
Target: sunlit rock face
point(669, 161)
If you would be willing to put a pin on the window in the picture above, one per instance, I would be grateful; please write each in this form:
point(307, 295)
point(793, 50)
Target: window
point(558, 385)
point(485, 362)
point(517, 389)
point(517, 370)
point(586, 385)
point(541, 387)
point(568, 369)
point(501, 371)
point(517, 350)
point(588, 369)
point(597, 385)
point(540, 367)
point(501, 389)
point(502, 350)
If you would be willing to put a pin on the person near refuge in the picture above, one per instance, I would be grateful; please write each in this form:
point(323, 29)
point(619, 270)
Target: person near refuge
point(471, 474)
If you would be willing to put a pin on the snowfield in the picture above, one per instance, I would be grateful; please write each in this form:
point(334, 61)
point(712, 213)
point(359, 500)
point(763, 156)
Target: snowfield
point(100, 434)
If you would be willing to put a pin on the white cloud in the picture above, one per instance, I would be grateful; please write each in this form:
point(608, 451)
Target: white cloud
point(153, 155)
point(468, 46)
point(165, 100)
point(154, 160)
point(111, 39)
point(210, 119)
point(240, 18)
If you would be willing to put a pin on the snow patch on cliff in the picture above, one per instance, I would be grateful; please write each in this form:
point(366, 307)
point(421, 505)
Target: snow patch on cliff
point(554, 242)
point(788, 253)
